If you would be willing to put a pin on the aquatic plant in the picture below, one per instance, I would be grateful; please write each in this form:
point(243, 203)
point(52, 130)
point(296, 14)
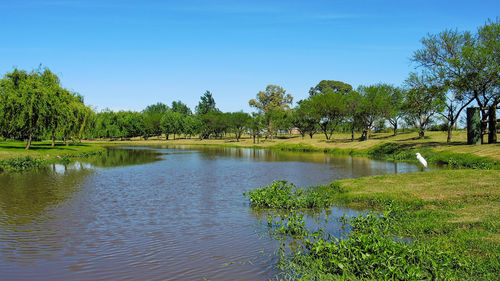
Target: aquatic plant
point(285, 195)
point(370, 252)
point(20, 163)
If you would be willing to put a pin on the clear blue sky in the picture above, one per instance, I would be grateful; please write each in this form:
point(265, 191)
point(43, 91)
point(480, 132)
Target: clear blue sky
point(129, 54)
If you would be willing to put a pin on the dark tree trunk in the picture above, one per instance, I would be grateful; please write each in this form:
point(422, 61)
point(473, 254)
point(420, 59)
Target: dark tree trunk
point(450, 128)
point(28, 144)
point(395, 126)
point(53, 138)
point(492, 125)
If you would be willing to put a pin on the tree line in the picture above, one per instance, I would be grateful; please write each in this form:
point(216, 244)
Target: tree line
point(454, 70)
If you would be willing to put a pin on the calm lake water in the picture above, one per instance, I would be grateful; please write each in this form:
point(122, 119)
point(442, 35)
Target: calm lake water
point(156, 213)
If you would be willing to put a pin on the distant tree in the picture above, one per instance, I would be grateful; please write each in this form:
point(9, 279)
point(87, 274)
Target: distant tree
point(206, 104)
point(130, 124)
point(393, 109)
point(172, 123)
point(239, 122)
point(191, 125)
point(178, 106)
point(213, 123)
point(375, 105)
point(153, 115)
point(329, 108)
point(354, 114)
point(274, 98)
point(326, 86)
point(423, 101)
point(304, 119)
point(256, 125)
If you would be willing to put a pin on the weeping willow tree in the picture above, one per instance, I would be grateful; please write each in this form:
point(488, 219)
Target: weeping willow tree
point(34, 105)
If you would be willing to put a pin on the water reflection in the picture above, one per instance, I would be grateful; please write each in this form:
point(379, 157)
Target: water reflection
point(125, 156)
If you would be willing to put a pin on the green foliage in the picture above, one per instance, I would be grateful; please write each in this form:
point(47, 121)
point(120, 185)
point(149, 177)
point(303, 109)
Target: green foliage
point(34, 104)
point(286, 196)
point(273, 98)
point(20, 164)
point(180, 107)
point(370, 252)
point(206, 104)
point(330, 86)
point(153, 115)
point(304, 119)
point(329, 109)
point(239, 121)
point(292, 224)
point(409, 241)
point(172, 123)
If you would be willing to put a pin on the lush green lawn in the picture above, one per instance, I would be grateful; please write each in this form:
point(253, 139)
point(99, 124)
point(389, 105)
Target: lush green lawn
point(13, 156)
point(466, 201)
point(43, 150)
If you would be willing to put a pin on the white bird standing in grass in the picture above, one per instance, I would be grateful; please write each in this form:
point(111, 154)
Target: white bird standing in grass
point(421, 159)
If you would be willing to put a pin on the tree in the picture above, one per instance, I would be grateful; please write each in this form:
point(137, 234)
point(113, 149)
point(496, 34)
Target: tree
point(256, 125)
point(191, 125)
point(325, 86)
point(171, 123)
point(206, 105)
point(274, 98)
point(304, 119)
point(423, 101)
point(153, 115)
point(374, 102)
point(25, 99)
point(239, 122)
point(353, 101)
point(467, 65)
point(178, 106)
point(393, 108)
point(329, 109)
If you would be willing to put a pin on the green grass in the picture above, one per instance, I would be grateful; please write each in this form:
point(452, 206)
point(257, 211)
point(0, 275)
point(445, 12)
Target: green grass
point(13, 156)
point(449, 219)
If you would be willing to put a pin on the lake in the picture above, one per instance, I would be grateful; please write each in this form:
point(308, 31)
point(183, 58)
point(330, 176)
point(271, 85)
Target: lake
point(156, 213)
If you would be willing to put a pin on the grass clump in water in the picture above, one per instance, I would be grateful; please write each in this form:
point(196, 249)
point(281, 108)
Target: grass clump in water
point(286, 196)
point(20, 163)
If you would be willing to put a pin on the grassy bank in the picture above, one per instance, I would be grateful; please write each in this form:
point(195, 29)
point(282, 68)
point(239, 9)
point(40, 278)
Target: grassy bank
point(13, 156)
point(448, 220)
point(383, 146)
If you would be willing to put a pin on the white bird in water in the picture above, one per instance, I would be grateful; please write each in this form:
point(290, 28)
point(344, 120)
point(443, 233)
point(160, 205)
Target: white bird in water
point(421, 159)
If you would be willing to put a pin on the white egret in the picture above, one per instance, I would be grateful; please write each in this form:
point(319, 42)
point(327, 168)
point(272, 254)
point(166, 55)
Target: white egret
point(421, 159)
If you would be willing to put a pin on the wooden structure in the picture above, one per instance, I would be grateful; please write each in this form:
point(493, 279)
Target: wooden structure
point(477, 128)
